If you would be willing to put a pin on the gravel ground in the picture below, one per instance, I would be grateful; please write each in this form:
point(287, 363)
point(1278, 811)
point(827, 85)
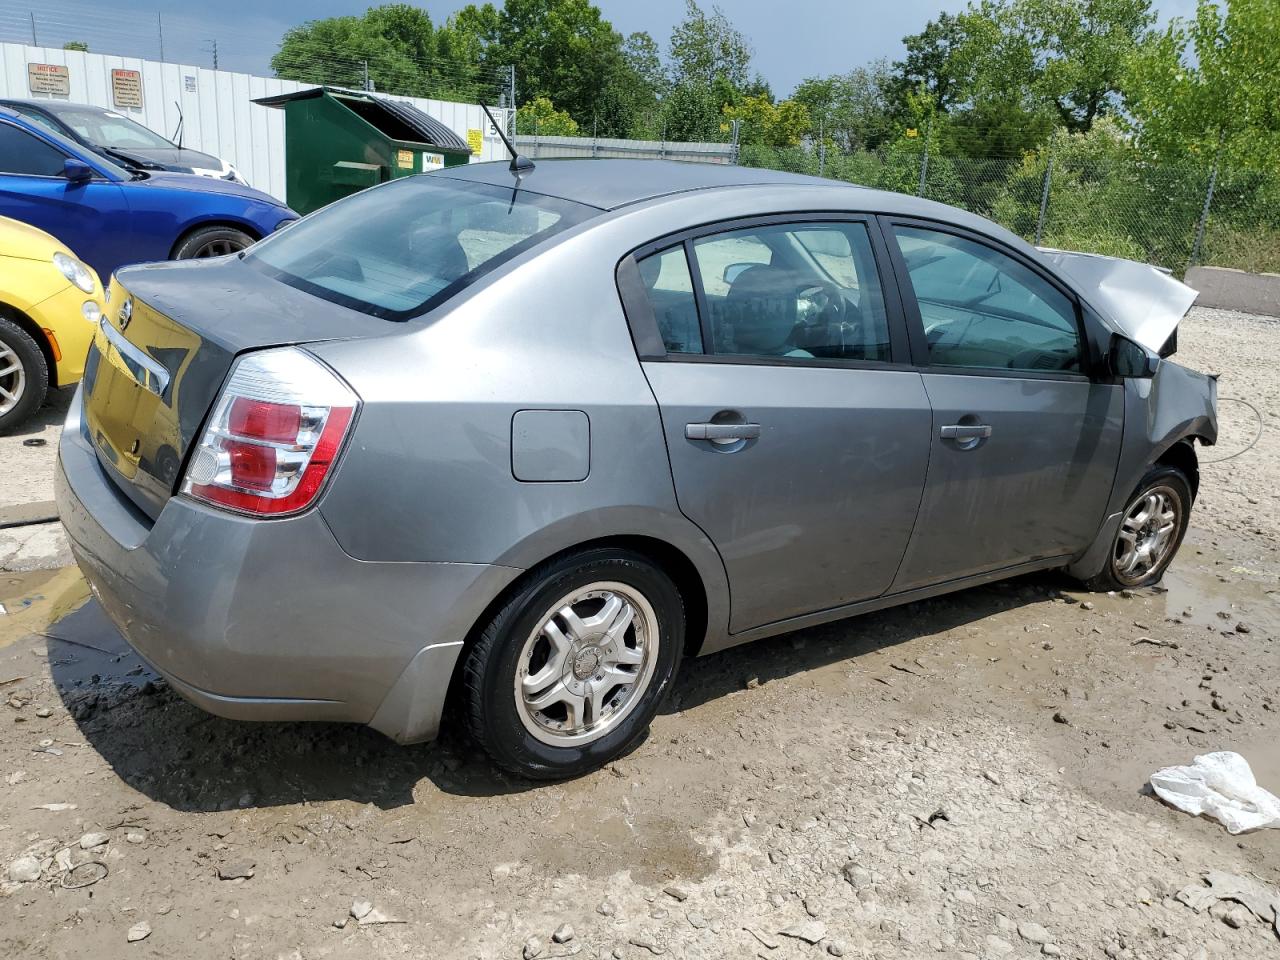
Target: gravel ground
point(962, 777)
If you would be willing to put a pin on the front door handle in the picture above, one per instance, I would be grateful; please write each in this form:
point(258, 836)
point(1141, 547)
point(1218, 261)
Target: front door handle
point(959, 431)
point(722, 431)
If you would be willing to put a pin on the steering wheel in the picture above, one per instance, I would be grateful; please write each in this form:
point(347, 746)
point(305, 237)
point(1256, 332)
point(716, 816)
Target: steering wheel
point(828, 303)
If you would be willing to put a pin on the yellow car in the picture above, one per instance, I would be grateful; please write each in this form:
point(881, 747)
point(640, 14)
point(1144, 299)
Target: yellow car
point(50, 305)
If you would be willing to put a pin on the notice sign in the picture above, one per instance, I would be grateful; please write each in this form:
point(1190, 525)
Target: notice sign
point(404, 159)
point(126, 88)
point(475, 140)
point(49, 78)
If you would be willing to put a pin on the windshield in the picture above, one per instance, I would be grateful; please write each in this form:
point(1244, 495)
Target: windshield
point(112, 130)
point(400, 249)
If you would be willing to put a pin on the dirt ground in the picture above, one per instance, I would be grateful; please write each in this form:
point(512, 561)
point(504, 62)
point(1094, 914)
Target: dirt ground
point(962, 777)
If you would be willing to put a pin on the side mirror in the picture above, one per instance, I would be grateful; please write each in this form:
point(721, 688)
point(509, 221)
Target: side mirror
point(77, 171)
point(1130, 359)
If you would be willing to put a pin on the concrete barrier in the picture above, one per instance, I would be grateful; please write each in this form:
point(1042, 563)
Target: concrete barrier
point(1236, 290)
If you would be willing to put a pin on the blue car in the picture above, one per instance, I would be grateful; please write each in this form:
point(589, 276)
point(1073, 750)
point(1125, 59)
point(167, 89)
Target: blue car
point(111, 216)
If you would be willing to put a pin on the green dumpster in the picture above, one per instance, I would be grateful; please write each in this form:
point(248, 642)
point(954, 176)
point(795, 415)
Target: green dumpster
point(339, 141)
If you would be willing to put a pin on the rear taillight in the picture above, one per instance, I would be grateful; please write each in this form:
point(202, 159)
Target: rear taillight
point(274, 435)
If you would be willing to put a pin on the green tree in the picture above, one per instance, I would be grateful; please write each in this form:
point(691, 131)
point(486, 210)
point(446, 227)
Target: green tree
point(705, 47)
point(852, 111)
point(710, 69)
point(563, 50)
point(1210, 87)
point(540, 117)
point(1005, 73)
point(1079, 50)
point(768, 124)
point(79, 45)
point(938, 63)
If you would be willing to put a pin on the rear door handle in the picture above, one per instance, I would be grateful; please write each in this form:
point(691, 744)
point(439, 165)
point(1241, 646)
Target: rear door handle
point(965, 432)
point(722, 431)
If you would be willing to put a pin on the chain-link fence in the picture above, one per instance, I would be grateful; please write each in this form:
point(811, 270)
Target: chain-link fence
point(1116, 203)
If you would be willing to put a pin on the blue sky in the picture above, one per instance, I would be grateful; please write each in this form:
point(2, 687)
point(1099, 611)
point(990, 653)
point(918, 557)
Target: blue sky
point(792, 39)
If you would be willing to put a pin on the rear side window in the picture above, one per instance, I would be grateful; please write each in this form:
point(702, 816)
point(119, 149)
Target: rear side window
point(401, 249)
point(984, 309)
point(25, 155)
point(669, 286)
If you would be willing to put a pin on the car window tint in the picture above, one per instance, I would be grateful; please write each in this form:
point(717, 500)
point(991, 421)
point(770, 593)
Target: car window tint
point(807, 290)
point(400, 249)
point(981, 308)
point(669, 287)
point(21, 153)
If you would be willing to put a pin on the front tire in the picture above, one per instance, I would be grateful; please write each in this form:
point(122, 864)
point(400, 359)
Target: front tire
point(24, 375)
point(1151, 529)
point(211, 241)
point(570, 672)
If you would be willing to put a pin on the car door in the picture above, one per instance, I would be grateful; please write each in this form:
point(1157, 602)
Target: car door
point(90, 217)
point(797, 431)
point(1024, 442)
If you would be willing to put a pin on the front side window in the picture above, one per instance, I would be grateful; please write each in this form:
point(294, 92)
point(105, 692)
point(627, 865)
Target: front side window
point(981, 308)
point(25, 155)
point(398, 250)
point(803, 290)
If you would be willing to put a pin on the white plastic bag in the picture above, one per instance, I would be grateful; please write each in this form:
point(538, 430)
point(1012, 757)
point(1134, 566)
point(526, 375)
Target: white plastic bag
point(1221, 786)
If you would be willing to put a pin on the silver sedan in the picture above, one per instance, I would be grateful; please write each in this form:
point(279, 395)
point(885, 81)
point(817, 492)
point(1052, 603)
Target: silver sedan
point(524, 441)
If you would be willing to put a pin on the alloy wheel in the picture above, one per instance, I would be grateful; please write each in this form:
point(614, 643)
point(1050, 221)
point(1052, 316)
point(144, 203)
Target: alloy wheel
point(13, 379)
point(587, 664)
point(217, 247)
point(1148, 534)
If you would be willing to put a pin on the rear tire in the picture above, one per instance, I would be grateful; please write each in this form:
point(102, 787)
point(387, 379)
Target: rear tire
point(211, 242)
point(24, 375)
point(1151, 529)
point(570, 672)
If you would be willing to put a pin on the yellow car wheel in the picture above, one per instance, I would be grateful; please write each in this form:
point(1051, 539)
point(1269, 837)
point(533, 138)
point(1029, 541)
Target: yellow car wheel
point(24, 375)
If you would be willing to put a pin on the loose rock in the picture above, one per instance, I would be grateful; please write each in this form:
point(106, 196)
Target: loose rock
point(139, 931)
point(563, 933)
point(24, 870)
point(1033, 932)
point(810, 931)
point(91, 840)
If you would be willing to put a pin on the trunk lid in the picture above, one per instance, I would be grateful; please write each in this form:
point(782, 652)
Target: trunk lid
point(163, 349)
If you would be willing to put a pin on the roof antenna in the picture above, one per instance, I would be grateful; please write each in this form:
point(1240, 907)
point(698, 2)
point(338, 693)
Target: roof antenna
point(519, 165)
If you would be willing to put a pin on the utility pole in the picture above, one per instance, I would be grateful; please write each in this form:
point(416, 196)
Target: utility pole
point(160, 30)
point(366, 75)
point(215, 53)
point(34, 41)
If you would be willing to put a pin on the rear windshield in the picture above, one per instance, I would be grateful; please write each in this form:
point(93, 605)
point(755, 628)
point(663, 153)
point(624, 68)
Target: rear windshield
point(400, 249)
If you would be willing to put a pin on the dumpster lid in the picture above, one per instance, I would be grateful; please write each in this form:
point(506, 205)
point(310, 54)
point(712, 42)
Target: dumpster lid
point(425, 128)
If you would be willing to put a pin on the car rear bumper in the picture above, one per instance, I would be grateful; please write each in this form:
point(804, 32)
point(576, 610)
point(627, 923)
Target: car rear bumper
point(270, 620)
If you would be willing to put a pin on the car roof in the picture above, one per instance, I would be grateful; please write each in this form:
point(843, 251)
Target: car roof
point(610, 184)
point(51, 106)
